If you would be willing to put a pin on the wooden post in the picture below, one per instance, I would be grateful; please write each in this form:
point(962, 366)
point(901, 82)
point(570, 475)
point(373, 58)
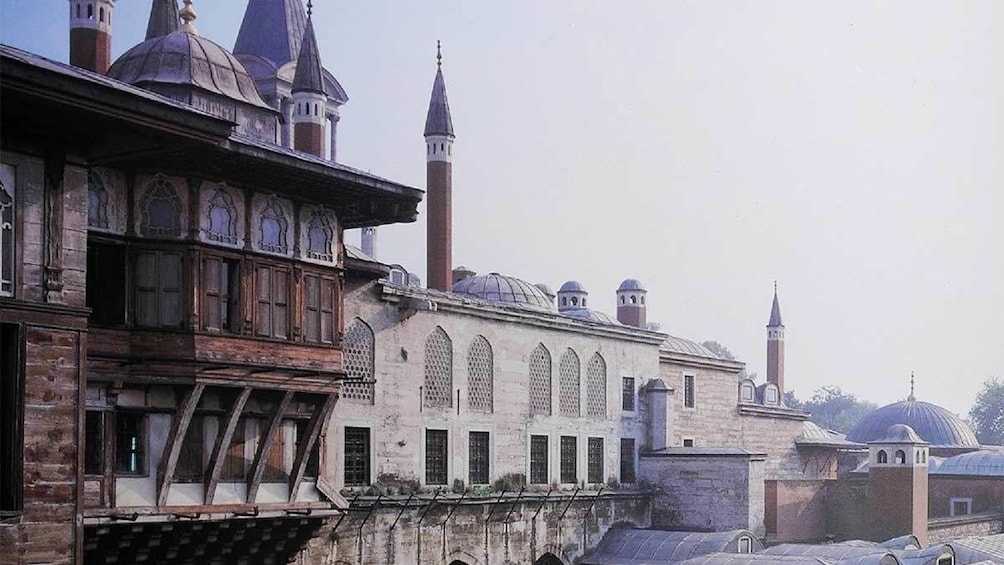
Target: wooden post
point(223, 439)
point(321, 414)
point(175, 437)
point(265, 444)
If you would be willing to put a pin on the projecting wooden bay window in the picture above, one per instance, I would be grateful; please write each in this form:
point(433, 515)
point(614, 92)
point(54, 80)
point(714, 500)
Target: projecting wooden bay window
point(320, 298)
point(221, 283)
point(158, 300)
point(272, 302)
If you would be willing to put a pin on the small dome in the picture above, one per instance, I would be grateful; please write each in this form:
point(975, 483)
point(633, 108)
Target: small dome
point(572, 286)
point(932, 423)
point(187, 60)
point(632, 284)
point(900, 433)
point(985, 463)
point(503, 289)
point(589, 316)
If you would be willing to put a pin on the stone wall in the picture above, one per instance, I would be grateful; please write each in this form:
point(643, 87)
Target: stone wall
point(477, 533)
point(943, 530)
point(986, 493)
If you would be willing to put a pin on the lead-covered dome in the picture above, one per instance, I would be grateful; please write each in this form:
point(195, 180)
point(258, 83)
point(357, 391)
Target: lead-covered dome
point(631, 284)
point(503, 289)
point(181, 59)
point(935, 425)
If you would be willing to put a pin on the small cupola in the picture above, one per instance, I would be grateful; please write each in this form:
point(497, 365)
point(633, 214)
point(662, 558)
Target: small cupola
point(572, 296)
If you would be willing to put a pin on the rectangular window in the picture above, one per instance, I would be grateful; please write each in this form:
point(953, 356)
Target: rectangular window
point(627, 460)
point(627, 395)
point(595, 457)
point(319, 309)
point(272, 317)
point(688, 443)
point(130, 443)
point(961, 506)
point(357, 456)
point(275, 464)
point(158, 289)
point(478, 458)
point(569, 457)
point(221, 295)
point(94, 443)
point(436, 453)
point(314, 459)
point(106, 275)
point(10, 418)
point(234, 462)
point(688, 391)
point(538, 460)
point(7, 230)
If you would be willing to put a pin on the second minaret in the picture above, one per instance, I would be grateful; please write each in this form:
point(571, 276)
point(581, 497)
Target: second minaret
point(439, 184)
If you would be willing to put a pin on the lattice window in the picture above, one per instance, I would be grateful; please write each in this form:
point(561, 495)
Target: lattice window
point(6, 230)
point(222, 216)
point(596, 387)
point(540, 382)
point(595, 460)
point(273, 226)
point(480, 375)
point(97, 201)
point(479, 458)
point(538, 460)
point(319, 237)
point(161, 210)
point(569, 459)
point(436, 453)
point(438, 370)
point(568, 377)
point(358, 351)
point(627, 394)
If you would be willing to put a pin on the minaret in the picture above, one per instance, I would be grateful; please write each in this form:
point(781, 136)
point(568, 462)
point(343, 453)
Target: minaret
point(164, 19)
point(775, 346)
point(898, 484)
point(91, 34)
point(309, 100)
point(439, 183)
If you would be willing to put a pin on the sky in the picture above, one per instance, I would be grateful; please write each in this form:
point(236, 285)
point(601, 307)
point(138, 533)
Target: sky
point(853, 151)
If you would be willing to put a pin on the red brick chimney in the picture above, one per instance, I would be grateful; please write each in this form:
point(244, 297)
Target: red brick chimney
point(91, 34)
point(439, 184)
point(775, 346)
point(897, 485)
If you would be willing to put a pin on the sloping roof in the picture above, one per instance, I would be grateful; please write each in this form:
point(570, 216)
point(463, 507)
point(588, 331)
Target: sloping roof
point(680, 345)
point(836, 552)
point(814, 436)
point(164, 18)
point(590, 315)
point(970, 550)
point(628, 546)
point(309, 75)
point(438, 121)
point(272, 29)
point(933, 424)
point(983, 463)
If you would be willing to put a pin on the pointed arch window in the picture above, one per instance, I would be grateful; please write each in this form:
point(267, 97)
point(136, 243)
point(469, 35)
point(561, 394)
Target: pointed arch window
point(358, 348)
point(97, 201)
point(273, 226)
point(222, 217)
point(883, 457)
point(480, 375)
point(7, 244)
point(161, 210)
point(596, 387)
point(438, 386)
point(568, 384)
point(540, 382)
point(320, 236)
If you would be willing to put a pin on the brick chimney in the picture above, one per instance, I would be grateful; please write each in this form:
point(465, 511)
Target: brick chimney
point(897, 485)
point(91, 34)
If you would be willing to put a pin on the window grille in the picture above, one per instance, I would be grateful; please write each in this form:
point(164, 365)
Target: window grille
point(538, 460)
point(568, 393)
point(97, 201)
point(627, 460)
point(627, 394)
point(688, 391)
point(540, 382)
point(438, 370)
point(319, 237)
point(161, 211)
point(222, 216)
point(569, 455)
point(478, 461)
point(358, 350)
point(595, 460)
point(436, 453)
point(273, 226)
point(596, 387)
point(7, 194)
point(480, 375)
point(357, 456)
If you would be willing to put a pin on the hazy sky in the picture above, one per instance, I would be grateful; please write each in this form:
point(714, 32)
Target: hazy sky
point(851, 150)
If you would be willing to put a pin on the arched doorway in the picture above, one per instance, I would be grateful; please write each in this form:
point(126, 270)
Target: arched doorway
point(457, 563)
point(548, 559)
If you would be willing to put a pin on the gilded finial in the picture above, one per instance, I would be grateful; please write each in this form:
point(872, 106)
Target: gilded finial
point(310, 8)
point(439, 53)
point(913, 385)
point(189, 15)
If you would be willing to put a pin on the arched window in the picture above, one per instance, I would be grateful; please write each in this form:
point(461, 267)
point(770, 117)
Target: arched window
point(575, 301)
point(319, 237)
point(222, 216)
point(438, 386)
point(358, 350)
point(161, 210)
point(596, 387)
point(101, 14)
point(564, 301)
point(883, 457)
point(540, 382)
point(90, 11)
point(622, 300)
point(923, 457)
point(568, 384)
point(273, 226)
point(770, 395)
point(480, 375)
point(747, 392)
point(97, 202)
point(900, 457)
point(634, 299)
point(583, 302)
point(916, 457)
point(642, 299)
point(7, 231)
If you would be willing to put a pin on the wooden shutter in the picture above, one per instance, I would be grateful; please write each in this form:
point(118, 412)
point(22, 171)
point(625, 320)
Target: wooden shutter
point(146, 289)
point(169, 266)
point(211, 296)
point(328, 302)
point(263, 288)
point(280, 303)
point(312, 308)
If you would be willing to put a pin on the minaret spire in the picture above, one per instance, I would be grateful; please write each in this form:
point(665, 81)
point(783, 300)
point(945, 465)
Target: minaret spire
point(913, 388)
point(164, 19)
point(439, 139)
point(775, 345)
point(309, 100)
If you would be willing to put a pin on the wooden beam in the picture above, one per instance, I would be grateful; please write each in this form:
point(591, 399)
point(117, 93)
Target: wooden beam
point(175, 437)
point(223, 439)
point(322, 411)
point(265, 444)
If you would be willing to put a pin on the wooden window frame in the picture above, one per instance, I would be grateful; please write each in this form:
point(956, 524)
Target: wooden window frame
point(160, 289)
point(319, 311)
point(144, 441)
point(271, 303)
point(234, 266)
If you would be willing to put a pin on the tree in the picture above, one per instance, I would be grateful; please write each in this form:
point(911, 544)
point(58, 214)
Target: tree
point(792, 401)
point(723, 353)
point(987, 413)
point(834, 409)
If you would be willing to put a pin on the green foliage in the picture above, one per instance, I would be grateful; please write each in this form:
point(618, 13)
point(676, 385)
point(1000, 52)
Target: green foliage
point(724, 353)
point(987, 413)
point(832, 408)
point(509, 482)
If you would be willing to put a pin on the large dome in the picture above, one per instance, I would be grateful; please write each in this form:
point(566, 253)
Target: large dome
point(183, 59)
point(933, 424)
point(505, 290)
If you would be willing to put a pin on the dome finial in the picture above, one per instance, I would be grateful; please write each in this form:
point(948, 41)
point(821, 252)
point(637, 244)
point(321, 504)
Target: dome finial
point(439, 53)
point(913, 384)
point(189, 15)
